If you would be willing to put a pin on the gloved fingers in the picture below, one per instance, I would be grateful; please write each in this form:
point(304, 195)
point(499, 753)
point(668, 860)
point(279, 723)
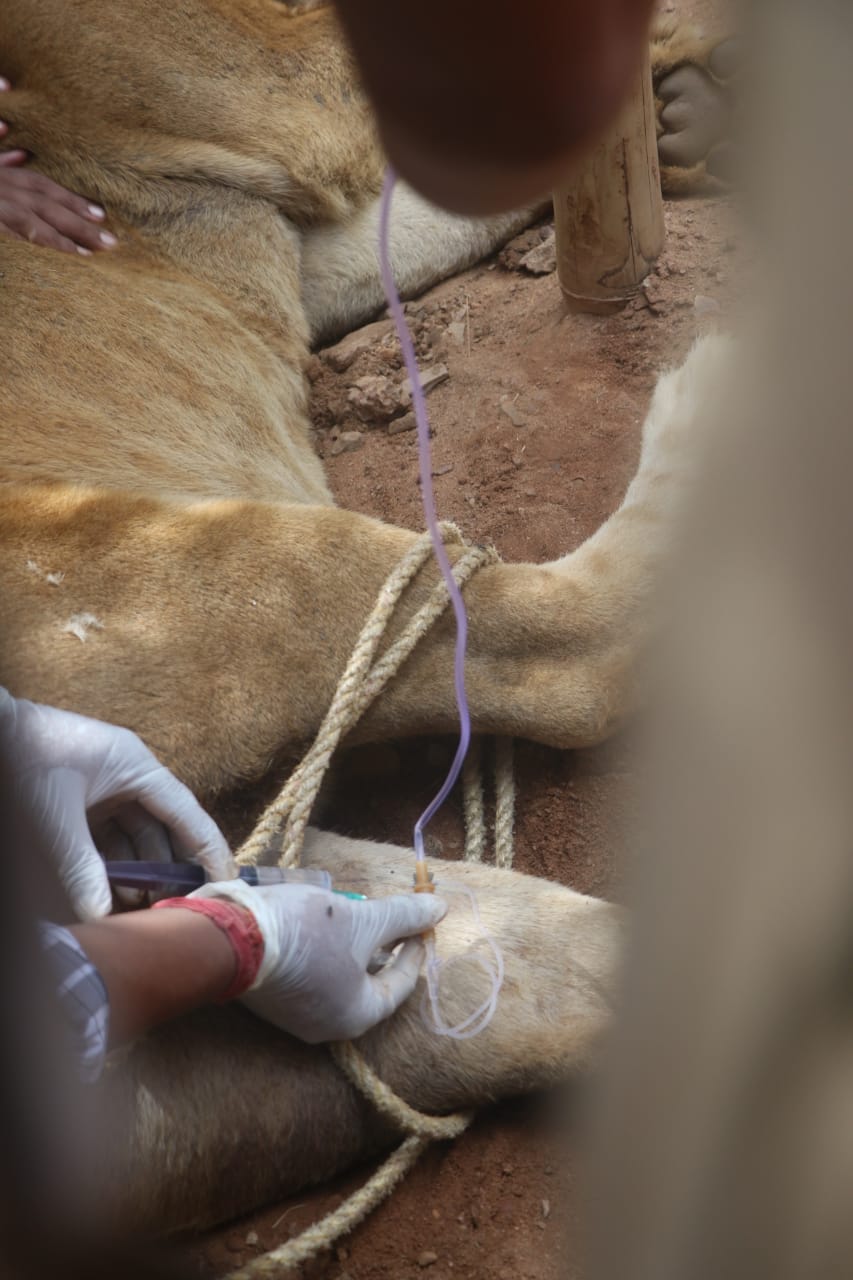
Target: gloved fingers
point(148, 839)
point(385, 991)
point(194, 835)
point(383, 922)
point(114, 845)
point(84, 877)
point(62, 833)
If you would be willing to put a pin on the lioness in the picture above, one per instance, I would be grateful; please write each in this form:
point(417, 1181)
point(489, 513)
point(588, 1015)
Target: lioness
point(199, 584)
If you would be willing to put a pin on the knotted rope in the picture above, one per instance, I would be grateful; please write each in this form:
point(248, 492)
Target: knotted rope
point(280, 833)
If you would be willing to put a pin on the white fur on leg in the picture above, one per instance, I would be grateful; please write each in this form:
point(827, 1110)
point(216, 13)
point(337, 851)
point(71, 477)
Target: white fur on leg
point(341, 288)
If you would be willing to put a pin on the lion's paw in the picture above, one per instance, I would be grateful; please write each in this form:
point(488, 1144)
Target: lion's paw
point(694, 79)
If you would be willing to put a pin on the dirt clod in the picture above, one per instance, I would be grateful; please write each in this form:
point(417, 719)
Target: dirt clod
point(346, 352)
point(376, 398)
point(427, 1258)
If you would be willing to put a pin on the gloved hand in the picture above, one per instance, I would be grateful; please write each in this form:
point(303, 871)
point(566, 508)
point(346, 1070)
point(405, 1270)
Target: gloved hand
point(85, 785)
point(313, 979)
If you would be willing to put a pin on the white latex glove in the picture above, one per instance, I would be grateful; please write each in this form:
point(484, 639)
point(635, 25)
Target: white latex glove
point(313, 980)
point(83, 784)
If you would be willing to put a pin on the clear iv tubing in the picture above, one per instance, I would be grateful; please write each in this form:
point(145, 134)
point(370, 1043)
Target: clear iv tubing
point(481, 1017)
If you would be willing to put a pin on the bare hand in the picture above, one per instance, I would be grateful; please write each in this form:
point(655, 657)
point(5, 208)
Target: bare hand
point(34, 208)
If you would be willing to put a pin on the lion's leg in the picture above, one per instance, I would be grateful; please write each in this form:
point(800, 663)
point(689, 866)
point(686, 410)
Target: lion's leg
point(693, 78)
point(222, 1113)
point(341, 287)
point(219, 630)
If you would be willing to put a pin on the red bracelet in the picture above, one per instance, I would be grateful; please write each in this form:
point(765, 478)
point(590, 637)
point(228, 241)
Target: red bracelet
point(241, 930)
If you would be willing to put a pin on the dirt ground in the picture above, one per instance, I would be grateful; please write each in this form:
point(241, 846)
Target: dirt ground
point(536, 434)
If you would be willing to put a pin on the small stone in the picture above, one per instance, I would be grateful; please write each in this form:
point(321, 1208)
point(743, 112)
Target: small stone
point(252, 1237)
point(396, 426)
point(430, 379)
point(427, 1258)
point(512, 411)
point(456, 332)
point(443, 471)
point(529, 493)
point(375, 398)
point(704, 306)
point(545, 1206)
point(347, 442)
point(508, 1170)
point(346, 352)
point(512, 255)
point(542, 260)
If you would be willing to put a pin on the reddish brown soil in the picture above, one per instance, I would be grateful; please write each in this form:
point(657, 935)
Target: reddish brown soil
point(498, 1204)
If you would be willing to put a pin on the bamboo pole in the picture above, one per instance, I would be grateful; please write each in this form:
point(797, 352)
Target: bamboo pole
point(609, 217)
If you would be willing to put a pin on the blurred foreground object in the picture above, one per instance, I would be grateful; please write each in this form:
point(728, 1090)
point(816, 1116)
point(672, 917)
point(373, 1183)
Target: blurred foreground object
point(482, 106)
point(724, 1126)
point(609, 215)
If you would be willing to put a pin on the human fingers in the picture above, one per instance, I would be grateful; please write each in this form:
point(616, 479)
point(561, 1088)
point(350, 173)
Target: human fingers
point(147, 837)
point(193, 834)
point(114, 845)
point(10, 158)
point(23, 224)
point(79, 864)
point(384, 992)
point(73, 225)
point(382, 922)
point(72, 215)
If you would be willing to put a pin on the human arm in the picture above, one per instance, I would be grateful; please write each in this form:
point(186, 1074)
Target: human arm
point(482, 105)
point(155, 966)
point(34, 208)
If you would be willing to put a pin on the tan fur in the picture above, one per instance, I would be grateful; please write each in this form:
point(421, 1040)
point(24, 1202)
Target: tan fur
point(275, 1115)
point(155, 445)
point(156, 464)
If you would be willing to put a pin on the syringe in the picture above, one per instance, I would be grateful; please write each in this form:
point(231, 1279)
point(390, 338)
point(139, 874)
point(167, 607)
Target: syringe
point(187, 876)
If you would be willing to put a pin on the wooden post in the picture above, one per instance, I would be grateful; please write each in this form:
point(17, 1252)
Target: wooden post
point(609, 217)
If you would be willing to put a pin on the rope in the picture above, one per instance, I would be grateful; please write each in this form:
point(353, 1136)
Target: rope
point(329, 1229)
point(360, 685)
point(504, 803)
point(472, 801)
point(283, 824)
